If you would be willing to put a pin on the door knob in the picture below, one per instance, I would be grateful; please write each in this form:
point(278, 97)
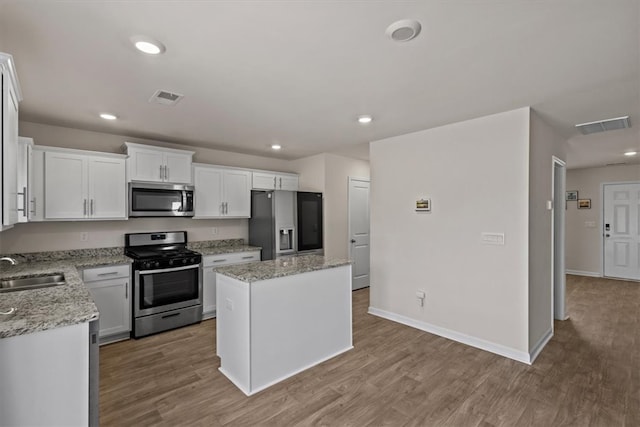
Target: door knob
point(353, 240)
point(607, 235)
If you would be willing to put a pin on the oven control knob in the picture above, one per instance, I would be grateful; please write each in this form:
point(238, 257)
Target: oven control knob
point(157, 264)
point(170, 262)
point(184, 261)
point(192, 260)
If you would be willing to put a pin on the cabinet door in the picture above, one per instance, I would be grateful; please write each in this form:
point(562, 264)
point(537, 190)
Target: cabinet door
point(208, 192)
point(263, 181)
point(107, 188)
point(22, 174)
point(237, 193)
point(112, 299)
point(146, 165)
point(178, 168)
point(65, 181)
point(208, 293)
point(36, 185)
point(287, 182)
point(9, 153)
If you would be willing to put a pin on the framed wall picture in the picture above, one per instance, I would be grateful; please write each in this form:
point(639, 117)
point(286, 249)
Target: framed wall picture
point(572, 195)
point(423, 205)
point(584, 203)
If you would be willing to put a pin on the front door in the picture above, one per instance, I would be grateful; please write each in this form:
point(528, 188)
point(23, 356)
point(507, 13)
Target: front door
point(621, 230)
point(359, 231)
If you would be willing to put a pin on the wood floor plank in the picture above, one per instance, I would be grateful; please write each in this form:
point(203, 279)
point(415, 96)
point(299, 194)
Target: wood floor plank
point(588, 375)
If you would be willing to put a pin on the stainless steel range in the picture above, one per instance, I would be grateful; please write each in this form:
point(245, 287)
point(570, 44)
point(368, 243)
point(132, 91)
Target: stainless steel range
point(167, 282)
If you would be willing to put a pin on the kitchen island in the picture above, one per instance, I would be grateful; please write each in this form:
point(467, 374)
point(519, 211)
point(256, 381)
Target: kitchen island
point(277, 318)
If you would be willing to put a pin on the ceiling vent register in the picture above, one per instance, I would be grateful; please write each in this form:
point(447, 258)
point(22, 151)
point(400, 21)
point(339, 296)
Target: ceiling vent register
point(165, 97)
point(604, 125)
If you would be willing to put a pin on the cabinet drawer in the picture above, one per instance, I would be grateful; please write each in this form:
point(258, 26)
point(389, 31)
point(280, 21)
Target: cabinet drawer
point(232, 258)
point(105, 273)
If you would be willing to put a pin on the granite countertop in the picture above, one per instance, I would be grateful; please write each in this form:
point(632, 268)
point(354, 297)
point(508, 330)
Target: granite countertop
point(69, 304)
point(280, 267)
point(57, 306)
point(219, 247)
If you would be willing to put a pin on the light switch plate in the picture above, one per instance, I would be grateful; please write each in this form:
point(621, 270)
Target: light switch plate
point(493, 238)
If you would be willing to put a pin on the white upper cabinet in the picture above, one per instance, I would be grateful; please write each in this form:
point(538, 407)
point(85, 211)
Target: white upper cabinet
point(221, 192)
point(274, 181)
point(25, 148)
point(11, 96)
point(84, 186)
point(156, 164)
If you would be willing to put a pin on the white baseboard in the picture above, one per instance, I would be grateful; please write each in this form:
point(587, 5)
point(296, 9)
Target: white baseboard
point(535, 351)
point(520, 356)
point(583, 273)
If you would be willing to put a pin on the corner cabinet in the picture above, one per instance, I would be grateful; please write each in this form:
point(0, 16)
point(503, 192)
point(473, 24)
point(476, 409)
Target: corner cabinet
point(210, 263)
point(111, 291)
point(11, 96)
point(221, 192)
point(84, 185)
point(274, 181)
point(157, 164)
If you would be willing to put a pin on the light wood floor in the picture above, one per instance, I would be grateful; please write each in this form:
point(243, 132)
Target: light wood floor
point(589, 374)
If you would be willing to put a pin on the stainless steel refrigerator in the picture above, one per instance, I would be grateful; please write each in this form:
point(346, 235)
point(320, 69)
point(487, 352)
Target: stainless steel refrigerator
point(272, 225)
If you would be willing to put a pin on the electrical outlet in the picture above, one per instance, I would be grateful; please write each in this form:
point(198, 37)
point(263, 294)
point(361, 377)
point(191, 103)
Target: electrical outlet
point(84, 236)
point(214, 231)
point(421, 296)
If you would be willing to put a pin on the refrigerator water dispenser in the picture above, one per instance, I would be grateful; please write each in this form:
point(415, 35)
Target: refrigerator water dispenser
point(285, 240)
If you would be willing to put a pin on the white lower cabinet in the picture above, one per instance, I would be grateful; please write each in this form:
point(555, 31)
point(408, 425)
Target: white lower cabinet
point(110, 288)
point(210, 263)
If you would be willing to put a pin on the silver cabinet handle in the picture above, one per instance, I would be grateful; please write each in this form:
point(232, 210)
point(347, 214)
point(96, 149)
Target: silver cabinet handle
point(226, 208)
point(219, 260)
point(248, 257)
point(274, 182)
point(161, 174)
point(126, 290)
point(34, 206)
point(92, 206)
point(281, 183)
point(84, 207)
point(24, 202)
point(166, 173)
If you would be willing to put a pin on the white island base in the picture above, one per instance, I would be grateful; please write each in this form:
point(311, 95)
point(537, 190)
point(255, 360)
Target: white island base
point(269, 330)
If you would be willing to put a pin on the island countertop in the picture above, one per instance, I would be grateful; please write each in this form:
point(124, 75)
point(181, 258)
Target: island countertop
point(280, 267)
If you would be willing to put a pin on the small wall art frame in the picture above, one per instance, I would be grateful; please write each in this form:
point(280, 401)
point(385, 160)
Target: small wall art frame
point(423, 205)
point(584, 203)
point(572, 195)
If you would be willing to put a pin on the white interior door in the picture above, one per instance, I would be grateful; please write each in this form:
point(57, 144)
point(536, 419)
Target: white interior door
point(359, 231)
point(559, 274)
point(621, 230)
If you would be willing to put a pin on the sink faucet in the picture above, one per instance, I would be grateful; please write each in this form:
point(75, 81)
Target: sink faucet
point(9, 260)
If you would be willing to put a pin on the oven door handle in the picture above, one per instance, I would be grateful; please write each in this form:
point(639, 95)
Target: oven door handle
point(167, 270)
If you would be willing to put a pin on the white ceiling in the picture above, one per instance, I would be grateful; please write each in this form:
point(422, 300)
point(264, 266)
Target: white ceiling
point(300, 72)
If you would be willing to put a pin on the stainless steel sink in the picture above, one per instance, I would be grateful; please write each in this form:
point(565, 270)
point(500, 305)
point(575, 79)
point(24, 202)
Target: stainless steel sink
point(37, 282)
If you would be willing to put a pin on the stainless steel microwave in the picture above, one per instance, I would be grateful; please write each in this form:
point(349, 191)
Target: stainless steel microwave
point(149, 200)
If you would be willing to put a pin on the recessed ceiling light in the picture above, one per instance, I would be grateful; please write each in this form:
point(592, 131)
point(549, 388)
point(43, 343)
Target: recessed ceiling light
point(630, 153)
point(148, 45)
point(404, 30)
point(365, 120)
point(108, 116)
point(276, 147)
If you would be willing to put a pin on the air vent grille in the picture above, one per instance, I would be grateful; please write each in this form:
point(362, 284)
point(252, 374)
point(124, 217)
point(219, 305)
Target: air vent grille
point(165, 97)
point(604, 125)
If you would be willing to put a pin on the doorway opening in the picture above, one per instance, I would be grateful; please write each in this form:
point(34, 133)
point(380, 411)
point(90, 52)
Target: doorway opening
point(558, 274)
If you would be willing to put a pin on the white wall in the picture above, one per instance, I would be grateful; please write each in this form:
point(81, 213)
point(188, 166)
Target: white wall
point(329, 174)
point(476, 174)
point(543, 145)
point(583, 242)
point(48, 236)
